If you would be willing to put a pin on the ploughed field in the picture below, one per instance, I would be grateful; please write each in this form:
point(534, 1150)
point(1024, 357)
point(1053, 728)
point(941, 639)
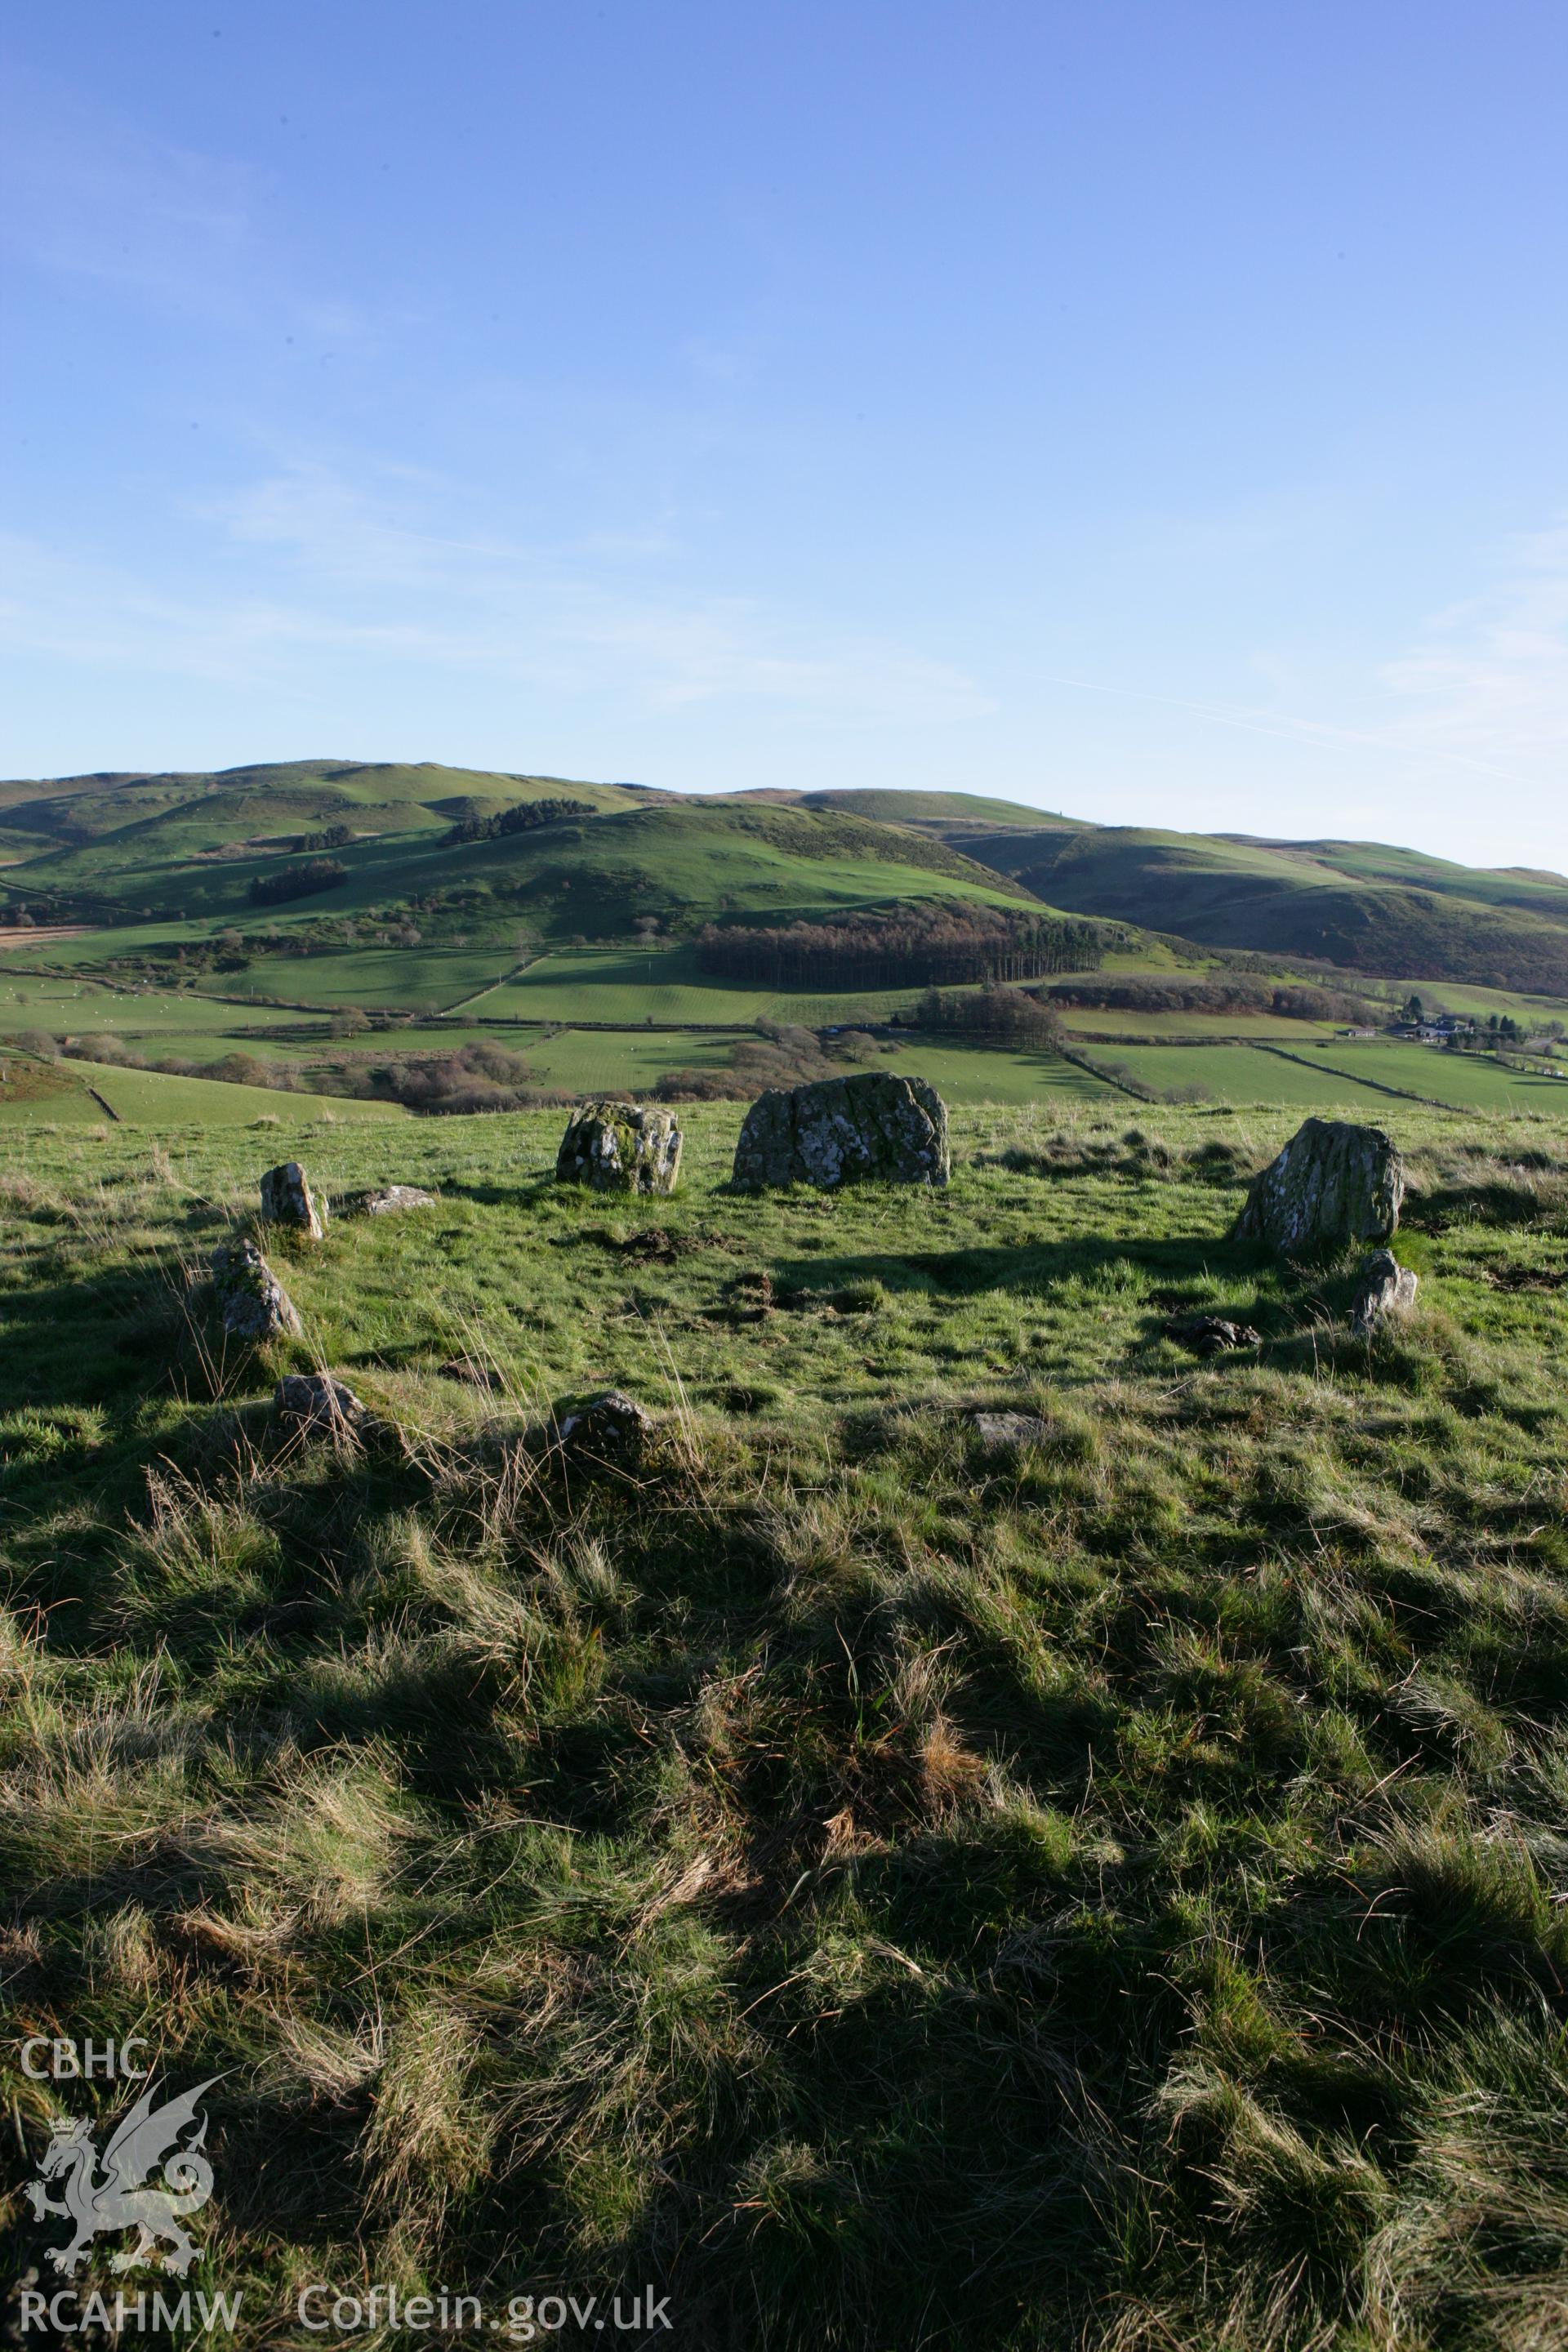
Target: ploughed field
point(876, 1887)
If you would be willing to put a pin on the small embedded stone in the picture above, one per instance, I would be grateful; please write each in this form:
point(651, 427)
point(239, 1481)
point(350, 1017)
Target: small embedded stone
point(612, 1430)
point(1385, 1289)
point(316, 1405)
point(1213, 1335)
point(1008, 1432)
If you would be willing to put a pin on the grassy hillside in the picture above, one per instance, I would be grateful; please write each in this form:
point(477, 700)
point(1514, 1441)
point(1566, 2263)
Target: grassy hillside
point(234, 802)
point(1307, 900)
point(82, 1093)
point(937, 811)
point(119, 849)
point(196, 855)
point(877, 1886)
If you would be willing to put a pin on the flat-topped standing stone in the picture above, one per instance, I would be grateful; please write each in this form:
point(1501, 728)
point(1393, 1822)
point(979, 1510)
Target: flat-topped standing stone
point(286, 1200)
point(620, 1147)
point(1334, 1182)
point(386, 1202)
point(1385, 1289)
point(840, 1130)
point(252, 1302)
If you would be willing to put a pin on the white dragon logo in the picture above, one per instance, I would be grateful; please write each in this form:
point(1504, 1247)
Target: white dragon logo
point(118, 2198)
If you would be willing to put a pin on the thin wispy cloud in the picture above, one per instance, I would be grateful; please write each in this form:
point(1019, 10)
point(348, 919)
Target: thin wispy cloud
point(366, 574)
point(1488, 681)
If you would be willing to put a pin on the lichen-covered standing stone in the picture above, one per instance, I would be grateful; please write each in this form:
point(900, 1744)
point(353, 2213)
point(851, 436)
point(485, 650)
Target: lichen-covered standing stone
point(839, 1130)
point(252, 1303)
point(286, 1200)
point(620, 1147)
point(1385, 1289)
point(1334, 1182)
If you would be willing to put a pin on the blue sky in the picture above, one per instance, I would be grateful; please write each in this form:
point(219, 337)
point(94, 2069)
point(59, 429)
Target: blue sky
point(1155, 412)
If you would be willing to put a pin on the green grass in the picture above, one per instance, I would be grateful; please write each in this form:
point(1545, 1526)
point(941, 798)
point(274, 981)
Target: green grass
point(883, 1892)
point(1468, 1081)
point(417, 980)
point(979, 1075)
point(596, 1061)
point(621, 985)
point(149, 1098)
point(143, 844)
point(1245, 1075)
point(80, 1008)
point(81, 1094)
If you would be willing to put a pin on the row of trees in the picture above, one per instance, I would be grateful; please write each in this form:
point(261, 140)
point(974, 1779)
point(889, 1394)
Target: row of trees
point(297, 881)
point(1223, 993)
point(921, 946)
point(525, 817)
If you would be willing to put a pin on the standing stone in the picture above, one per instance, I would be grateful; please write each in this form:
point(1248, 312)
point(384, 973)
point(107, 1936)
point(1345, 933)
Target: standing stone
point(1385, 1289)
point(286, 1200)
point(1334, 1182)
point(252, 1302)
point(839, 1130)
point(620, 1147)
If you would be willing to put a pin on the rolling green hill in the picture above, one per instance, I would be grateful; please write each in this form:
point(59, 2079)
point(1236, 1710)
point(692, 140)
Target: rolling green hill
point(115, 848)
point(1391, 912)
point(1367, 906)
point(934, 811)
point(112, 843)
point(189, 847)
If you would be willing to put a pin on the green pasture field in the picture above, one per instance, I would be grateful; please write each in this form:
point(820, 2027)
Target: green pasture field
point(77, 1008)
point(1232, 1072)
point(621, 985)
point(1238, 1074)
point(627, 986)
point(597, 1060)
point(1468, 1081)
point(99, 945)
point(972, 1073)
point(1090, 1021)
point(148, 1099)
point(421, 979)
point(869, 1881)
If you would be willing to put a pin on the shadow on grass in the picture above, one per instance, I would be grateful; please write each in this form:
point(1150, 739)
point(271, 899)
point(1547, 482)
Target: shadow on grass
point(1034, 1267)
